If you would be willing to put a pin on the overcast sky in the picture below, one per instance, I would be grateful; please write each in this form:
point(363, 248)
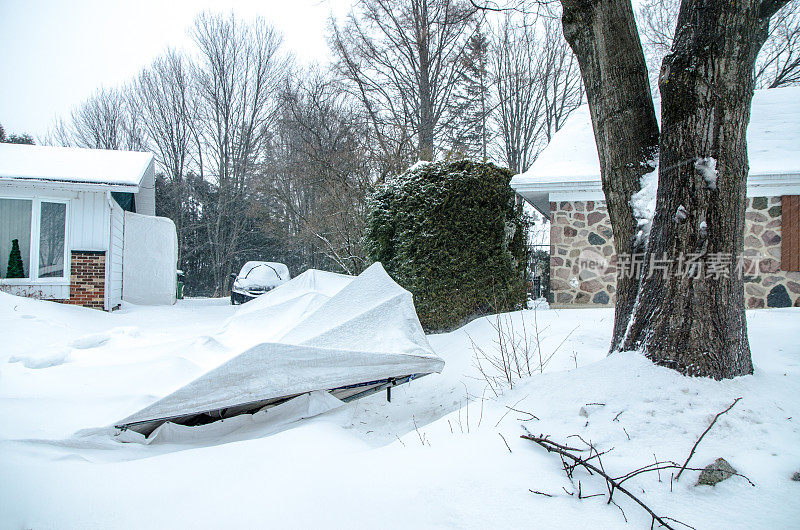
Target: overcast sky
point(55, 53)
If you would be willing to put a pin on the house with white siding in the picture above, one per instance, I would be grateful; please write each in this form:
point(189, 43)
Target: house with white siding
point(78, 226)
point(564, 185)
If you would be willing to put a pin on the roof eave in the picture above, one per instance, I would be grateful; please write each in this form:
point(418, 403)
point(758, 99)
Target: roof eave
point(69, 185)
point(592, 185)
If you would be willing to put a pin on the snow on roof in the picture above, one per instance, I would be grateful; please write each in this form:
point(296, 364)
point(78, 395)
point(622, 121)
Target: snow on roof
point(773, 143)
point(73, 165)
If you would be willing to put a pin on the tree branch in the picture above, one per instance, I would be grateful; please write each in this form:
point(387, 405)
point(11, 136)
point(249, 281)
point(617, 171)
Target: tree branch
point(691, 453)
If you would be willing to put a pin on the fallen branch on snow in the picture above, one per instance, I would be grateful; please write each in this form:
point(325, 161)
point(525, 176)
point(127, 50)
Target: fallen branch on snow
point(571, 461)
point(691, 453)
point(612, 483)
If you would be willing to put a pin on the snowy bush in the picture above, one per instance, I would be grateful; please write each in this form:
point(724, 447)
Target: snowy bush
point(450, 233)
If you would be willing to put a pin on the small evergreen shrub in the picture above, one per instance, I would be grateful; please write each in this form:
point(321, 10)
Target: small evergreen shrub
point(15, 267)
point(451, 233)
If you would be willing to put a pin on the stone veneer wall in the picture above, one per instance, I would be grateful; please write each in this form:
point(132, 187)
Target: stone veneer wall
point(87, 282)
point(581, 230)
point(580, 233)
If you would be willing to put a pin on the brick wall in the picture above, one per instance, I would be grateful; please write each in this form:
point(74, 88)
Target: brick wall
point(87, 282)
point(583, 266)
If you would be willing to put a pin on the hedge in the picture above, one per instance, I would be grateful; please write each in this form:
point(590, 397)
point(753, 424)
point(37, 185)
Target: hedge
point(451, 233)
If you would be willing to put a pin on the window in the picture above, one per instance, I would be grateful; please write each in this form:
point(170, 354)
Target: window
point(33, 239)
point(52, 233)
point(15, 226)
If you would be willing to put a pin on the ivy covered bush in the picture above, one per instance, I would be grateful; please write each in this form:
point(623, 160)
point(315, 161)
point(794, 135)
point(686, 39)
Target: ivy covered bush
point(450, 233)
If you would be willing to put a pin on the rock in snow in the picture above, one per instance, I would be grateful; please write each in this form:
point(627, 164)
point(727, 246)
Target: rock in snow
point(715, 473)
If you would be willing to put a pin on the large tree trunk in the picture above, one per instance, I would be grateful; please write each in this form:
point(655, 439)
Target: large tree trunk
point(605, 40)
point(692, 317)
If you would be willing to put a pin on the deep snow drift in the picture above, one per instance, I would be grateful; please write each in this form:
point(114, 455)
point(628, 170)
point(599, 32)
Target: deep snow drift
point(432, 457)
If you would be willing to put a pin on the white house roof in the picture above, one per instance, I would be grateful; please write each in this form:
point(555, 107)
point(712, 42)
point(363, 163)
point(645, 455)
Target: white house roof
point(120, 170)
point(570, 163)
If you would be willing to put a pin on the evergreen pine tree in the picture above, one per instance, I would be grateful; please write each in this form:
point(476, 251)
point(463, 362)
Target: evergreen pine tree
point(15, 266)
point(472, 106)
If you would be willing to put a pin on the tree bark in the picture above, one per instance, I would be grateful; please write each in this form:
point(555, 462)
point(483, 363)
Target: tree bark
point(692, 319)
point(605, 40)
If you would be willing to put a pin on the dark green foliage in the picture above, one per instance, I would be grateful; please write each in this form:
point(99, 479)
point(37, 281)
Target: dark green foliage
point(20, 139)
point(15, 138)
point(450, 233)
point(15, 267)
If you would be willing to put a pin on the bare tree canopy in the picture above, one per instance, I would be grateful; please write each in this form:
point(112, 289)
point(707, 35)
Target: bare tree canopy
point(319, 172)
point(103, 121)
point(238, 77)
point(163, 95)
point(778, 62)
point(538, 85)
point(403, 60)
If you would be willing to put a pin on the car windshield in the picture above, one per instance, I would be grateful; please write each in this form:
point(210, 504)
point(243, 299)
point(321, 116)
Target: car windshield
point(262, 274)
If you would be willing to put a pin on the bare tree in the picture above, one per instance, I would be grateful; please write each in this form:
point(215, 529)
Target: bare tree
point(538, 85)
point(778, 62)
point(604, 38)
point(238, 76)
point(520, 108)
point(321, 171)
point(104, 121)
point(163, 96)
point(402, 60)
point(560, 78)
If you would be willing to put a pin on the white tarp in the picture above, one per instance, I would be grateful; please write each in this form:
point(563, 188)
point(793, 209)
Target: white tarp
point(320, 331)
point(267, 421)
point(149, 260)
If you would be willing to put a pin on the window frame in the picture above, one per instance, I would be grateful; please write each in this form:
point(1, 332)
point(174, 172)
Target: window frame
point(36, 221)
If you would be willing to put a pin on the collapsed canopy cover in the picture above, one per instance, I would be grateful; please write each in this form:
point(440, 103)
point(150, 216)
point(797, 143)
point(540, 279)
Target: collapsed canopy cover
point(319, 331)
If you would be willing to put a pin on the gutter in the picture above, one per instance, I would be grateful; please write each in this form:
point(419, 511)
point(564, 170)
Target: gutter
point(71, 185)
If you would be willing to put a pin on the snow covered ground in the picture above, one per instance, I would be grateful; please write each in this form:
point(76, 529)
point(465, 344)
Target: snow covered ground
point(433, 457)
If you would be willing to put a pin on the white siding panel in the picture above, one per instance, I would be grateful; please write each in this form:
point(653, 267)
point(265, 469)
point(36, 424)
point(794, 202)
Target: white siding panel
point(41, 291)
point(115, 259)
point(90, 226)
point(146, 197)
